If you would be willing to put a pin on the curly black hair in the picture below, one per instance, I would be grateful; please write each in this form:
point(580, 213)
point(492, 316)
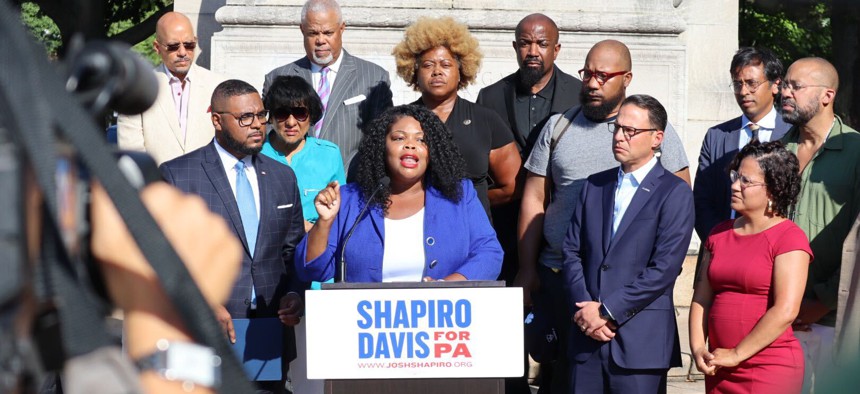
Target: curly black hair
point(781, 172)
point(446, 167)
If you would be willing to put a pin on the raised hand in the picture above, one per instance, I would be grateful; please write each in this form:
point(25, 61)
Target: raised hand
point(327, 202)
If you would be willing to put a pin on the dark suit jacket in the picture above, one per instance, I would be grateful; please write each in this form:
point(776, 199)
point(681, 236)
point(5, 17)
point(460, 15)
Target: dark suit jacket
point(712, 188)
point(281, 224)
point(632, 274)
point(500, 97)
point(343, 123)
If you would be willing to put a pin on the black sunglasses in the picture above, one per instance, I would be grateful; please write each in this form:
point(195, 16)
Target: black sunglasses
point(175, 47)
point(300, 113)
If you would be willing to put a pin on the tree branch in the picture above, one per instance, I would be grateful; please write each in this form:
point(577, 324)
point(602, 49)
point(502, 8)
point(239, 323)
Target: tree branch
point(142, 30)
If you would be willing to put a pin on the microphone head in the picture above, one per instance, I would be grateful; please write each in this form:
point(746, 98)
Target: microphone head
point(384, 181)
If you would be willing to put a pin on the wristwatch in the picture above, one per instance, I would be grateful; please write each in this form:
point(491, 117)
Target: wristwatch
point(185, 362)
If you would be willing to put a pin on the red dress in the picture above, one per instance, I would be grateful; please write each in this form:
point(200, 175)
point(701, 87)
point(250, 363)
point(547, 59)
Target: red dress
point(740, 274)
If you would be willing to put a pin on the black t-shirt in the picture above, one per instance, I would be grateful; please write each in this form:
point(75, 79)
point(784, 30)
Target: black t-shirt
point(477, 131)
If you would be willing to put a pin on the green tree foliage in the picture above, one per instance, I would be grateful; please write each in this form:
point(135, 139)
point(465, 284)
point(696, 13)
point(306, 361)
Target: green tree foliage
point(53, 22)
point(791, 30)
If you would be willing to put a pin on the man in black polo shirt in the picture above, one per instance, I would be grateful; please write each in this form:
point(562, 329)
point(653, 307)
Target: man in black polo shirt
point(525, 100)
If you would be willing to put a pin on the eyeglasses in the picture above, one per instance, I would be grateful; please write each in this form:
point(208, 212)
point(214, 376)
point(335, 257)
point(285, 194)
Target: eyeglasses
point(751, 85)
point(602, 77)
point(745, 182)
point(175, 46)
point(247, 118)
point(301, 114)
point(793, 86)
point(629, 132)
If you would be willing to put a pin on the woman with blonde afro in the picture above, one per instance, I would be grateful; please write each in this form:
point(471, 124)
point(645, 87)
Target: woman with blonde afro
point(438, 57)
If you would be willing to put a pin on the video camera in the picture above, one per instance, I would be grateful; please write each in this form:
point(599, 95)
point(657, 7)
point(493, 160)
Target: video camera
point(51, 144)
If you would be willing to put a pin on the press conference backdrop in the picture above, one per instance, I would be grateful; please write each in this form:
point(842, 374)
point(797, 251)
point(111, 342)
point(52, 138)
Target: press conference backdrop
point(414, 333)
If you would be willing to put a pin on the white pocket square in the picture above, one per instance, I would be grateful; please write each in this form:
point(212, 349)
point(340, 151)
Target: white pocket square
point(356, 99)
point(284, 206)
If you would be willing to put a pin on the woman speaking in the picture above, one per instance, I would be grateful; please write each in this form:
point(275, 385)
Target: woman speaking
point(425, 224)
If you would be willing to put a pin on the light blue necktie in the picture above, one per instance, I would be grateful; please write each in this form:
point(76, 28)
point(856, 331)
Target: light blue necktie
point(248, 212)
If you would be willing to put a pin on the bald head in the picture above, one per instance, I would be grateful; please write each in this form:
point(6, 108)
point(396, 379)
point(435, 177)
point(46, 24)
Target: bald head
point(175, 42)
point(172, 21)
point(538, 20)
point(612, 51)
point(817, 70)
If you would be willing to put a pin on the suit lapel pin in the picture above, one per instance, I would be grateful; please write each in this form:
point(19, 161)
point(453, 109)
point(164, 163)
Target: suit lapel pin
point(646, 189)
point(467, 122)
point(262, 172)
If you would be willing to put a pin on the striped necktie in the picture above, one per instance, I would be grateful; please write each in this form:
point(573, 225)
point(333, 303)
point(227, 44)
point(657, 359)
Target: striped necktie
point(754, 130)
point(323, 90)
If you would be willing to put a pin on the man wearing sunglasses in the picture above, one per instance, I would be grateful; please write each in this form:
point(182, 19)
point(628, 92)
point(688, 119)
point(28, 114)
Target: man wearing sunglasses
point(259, 199)
point(556, 172)
point(178, 122)
point(756, 74)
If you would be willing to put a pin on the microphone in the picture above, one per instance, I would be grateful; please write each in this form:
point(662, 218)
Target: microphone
point(383, 183)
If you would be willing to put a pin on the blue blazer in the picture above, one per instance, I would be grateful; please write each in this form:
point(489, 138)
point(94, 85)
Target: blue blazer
point(633, 273)
point(457, 238)
point(712, 188)
point(281, 224)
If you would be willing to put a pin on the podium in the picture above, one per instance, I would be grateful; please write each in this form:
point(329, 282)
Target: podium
point(414, 337)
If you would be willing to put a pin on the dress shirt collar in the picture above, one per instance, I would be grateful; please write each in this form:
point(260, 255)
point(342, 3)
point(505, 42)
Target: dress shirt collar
point(334, 67)
point(640, 174)
point(172, 78)
point(768, 122)
point(229, 161)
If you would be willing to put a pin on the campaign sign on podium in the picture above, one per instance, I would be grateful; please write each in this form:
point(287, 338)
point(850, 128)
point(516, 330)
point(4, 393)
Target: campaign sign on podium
point(406, 333)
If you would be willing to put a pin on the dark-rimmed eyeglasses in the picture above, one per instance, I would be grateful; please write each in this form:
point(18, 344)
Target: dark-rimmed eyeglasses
point(189, 46)
point(601, 76)
point(794, 86)
point(629, 132)
point(301, 114)
point(247, 118)
point(745, 182)
point(751, 85)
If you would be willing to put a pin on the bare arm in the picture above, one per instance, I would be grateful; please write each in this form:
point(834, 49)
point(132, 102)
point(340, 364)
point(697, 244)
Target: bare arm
point(789, 281)
point(703, 296)
point(505, 163)
point(684, 174)
point(530, 232)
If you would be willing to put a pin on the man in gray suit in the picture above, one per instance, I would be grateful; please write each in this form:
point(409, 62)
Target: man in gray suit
point(353, 91)
point(756, 74)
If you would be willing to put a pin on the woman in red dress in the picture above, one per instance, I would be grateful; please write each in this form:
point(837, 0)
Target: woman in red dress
point(754, 273)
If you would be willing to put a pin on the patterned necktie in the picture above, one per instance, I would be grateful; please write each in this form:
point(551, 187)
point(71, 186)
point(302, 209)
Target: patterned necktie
point(754, 129)
point(247, 206)
point(323, 90)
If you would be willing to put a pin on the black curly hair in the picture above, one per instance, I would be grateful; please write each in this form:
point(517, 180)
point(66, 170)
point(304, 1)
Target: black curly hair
point(444, 171)
point(781, 172)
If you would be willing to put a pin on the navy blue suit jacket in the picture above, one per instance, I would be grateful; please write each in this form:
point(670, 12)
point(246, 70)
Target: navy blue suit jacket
point(632, 274)
point(457, 238)
point(712, 188)
point(281, 224)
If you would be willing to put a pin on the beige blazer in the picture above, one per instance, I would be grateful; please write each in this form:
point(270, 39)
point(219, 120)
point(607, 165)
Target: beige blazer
point(848, 307)
point(157, 131)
